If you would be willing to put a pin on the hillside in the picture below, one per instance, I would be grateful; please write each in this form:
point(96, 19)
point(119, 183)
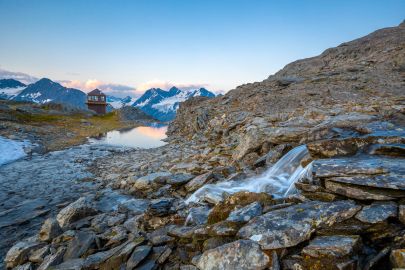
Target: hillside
point(354, 81)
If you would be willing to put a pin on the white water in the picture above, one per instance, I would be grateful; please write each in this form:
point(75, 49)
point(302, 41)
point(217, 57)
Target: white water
point(278, 180)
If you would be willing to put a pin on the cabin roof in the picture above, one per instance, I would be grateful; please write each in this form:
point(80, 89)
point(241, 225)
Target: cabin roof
point(96, 92)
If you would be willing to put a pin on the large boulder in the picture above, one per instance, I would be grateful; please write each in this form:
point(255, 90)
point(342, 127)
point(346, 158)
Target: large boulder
point(292, 225)
point(79, 209)
point(19, 253)
point(241, 254)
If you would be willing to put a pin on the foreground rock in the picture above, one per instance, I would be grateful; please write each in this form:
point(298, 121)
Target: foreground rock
point(75, 211)
point(242, 254)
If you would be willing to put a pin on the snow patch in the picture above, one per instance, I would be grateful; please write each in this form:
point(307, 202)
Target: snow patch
point(11, 150)
point(11, 92)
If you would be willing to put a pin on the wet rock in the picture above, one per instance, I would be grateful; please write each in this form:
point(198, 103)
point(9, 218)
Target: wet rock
point(82, 242)
point(397, 150)
point(179, 179)
point(133, 206)
point(222, 210)
point(292, 225)
point(160, 207)
point(397, 258)
point(377, 212)
point(146, 182)
point(359, 192)
point(38, 255)
point(332, 246)
point(346, 167)
point(137, 256)
point(49, 230)
point(246, 213)
point(199, 181)
point(276, 153)
point(381, 173)
point(52, 259)
point(20, 252)
point(79, 209)
point(197, 215)
point(241, 254)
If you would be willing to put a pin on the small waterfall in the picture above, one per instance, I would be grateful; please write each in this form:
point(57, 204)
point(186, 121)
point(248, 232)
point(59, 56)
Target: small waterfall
point(278, 180)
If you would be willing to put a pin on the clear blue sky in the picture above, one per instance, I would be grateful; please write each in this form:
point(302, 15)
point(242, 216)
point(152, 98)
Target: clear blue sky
point(140, 43)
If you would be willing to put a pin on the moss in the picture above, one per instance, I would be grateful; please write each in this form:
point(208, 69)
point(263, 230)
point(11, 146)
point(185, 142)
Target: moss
point(222, 210)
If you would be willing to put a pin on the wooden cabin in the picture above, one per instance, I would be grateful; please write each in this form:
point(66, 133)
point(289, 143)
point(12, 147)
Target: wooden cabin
point(97, 101)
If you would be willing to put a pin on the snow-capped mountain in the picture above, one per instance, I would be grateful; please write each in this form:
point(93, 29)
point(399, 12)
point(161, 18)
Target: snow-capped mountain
point(10, 88)
point(45, 90)
point(118, 103)
point(162, 105)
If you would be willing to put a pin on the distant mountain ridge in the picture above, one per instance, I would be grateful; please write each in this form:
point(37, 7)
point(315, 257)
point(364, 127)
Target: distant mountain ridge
point(157, 103)
point(118, 103)
point(162, 105)
point(9, 88)
point(45, 90)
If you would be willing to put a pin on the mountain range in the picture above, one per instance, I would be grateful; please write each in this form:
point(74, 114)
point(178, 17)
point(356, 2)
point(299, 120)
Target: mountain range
point(162, 105)
point(156, 102)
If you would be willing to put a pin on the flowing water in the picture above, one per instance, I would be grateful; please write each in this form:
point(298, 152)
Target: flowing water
point(278, 180)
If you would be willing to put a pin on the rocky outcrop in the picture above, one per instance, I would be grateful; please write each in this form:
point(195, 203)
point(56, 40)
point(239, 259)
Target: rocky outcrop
point(307, 100)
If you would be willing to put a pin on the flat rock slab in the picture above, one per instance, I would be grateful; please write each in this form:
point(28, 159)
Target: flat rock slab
point(337, 246)
point(377, 212)
point(246, 213)
point(362, 192)
point(292, 225)
point(323, 168)
point(395, 149)
point(241, 254)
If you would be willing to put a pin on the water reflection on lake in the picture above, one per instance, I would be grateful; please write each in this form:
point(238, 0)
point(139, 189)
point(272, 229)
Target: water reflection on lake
point(142, 137)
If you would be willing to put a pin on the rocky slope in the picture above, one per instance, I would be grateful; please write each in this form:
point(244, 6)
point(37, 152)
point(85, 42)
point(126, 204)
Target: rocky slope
point(347, 211)
point(354, 81)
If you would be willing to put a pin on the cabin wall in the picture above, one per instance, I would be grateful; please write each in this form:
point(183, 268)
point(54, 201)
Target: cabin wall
point(98, 108)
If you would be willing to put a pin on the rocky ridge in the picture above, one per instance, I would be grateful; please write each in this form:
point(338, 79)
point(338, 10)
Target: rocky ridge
point(346, 105)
